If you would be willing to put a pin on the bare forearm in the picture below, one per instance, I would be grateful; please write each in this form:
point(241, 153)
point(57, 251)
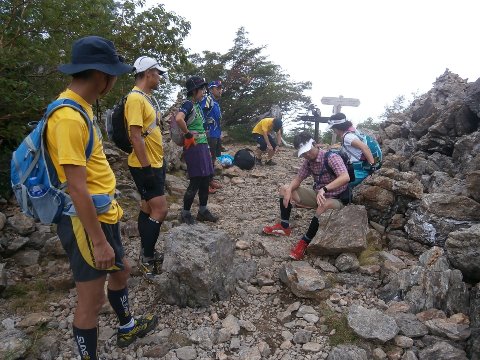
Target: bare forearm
point(181, 122)
point(267, 140)
point(343, 179)
point(138, 144)
point(295, 183)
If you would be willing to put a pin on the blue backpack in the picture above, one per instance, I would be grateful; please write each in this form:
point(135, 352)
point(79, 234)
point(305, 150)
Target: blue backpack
point(372, 144)
point(32, 161)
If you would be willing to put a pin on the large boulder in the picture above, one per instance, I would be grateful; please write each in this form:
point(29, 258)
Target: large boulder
point(372, 324)
point(198, 266)
point(341, 231)
point(463, 251)
point(431, 284)
point(441, 351)
point(347, 352)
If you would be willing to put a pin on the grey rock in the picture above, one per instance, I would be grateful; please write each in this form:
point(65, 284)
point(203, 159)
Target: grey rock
point(186, 353)
point(249, 353)
point(448, 329)
point(403, 341)
point(232, 324)
point(325, 266)
point(3, 277)
point(347, 352)
point(372, 324)
point(463, 251)
point(303, 280)
point(14, 344)
point(442, 351)
point(451, 206)
point(473, 185)
point(334, 238)
point(409, 355)
point(302, 336)
point(347, 262)
point(409, 325)
point(16, 244)
point(3, 220)
point(27, 257)
point(53, 247)
point(204, 337)
point(22, 224)
point(48, 348)
point(198, 266)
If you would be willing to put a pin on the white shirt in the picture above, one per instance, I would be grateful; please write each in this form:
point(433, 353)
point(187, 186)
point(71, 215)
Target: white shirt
point(353, 153)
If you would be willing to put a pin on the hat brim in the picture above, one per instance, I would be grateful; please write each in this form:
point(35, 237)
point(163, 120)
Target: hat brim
point(110, 69)
point(305, 147)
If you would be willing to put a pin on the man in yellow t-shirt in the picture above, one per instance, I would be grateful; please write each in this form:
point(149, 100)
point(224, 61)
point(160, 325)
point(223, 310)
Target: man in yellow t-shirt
point(266, 142)
point(146, 160)
point(91, 241)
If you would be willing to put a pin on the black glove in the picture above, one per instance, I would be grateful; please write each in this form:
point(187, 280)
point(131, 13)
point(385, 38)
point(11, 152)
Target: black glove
point(149, 181)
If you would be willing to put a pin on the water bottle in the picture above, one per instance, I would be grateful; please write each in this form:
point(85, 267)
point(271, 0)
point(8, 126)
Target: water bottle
point(36, 189)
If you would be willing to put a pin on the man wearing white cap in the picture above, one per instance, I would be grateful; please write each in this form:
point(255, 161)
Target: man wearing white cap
point(328, 190)
point(146, 160)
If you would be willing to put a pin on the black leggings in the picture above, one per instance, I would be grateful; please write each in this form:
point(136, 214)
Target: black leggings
point(200, 184)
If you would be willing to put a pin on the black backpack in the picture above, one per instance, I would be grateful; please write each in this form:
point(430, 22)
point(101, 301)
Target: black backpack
point(346, 161)
point(116, 124)
point(244, 159)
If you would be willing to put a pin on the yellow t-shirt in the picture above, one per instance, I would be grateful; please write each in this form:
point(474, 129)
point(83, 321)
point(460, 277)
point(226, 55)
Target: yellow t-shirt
point(264, 125)
point(139, 112)
point(67, 138)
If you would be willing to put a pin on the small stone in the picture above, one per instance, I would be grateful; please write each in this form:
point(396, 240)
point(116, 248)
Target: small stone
point(403, 341)
point(242, 245)
point(312, 347)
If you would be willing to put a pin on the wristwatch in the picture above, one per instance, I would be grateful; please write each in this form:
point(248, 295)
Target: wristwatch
point(325, 189)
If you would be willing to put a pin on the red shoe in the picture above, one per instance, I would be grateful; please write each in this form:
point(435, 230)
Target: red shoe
point(298, 252)
point(216, 184)
point(211, 190)
point(277, 230)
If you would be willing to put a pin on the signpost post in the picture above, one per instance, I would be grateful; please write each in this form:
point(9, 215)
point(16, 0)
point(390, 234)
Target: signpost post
point(337, 103)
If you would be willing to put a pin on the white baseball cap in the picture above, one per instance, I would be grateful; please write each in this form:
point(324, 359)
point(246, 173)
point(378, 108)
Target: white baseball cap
point(305, 147)
point(143, 63)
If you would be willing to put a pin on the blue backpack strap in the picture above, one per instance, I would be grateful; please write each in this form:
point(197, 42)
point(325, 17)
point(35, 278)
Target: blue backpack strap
point(59, 103)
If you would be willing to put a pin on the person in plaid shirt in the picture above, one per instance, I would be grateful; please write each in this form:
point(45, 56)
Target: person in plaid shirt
point(328, 189)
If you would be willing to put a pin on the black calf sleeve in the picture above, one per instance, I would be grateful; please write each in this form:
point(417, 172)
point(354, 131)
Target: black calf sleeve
point(203, 190)
point(285, 211)
point(192, 189)
point(312, 229)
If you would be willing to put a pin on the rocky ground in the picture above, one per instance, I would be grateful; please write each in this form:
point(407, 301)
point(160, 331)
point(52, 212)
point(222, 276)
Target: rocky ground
point(328, 307)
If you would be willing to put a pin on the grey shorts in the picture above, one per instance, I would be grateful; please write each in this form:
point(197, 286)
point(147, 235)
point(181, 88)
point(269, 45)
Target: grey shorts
point(79, 248)
point(308, 198)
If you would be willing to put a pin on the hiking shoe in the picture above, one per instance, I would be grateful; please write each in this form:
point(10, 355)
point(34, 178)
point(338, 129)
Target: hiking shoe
point(158, 260)
point(216, 184)
point(270, 162)
point(298, 252)
point(147, 267)
point(211, 190)
point(187, 219)
point(142, 326)
point(277, 230)
point(206, 216)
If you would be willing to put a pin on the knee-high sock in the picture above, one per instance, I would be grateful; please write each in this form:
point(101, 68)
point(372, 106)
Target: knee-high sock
point(312, 230)
point(118, 299)
point(142, 220)
point(285, 213)
point(192, 189)
point(150, 236)
point(203, 190)
point(86, 340)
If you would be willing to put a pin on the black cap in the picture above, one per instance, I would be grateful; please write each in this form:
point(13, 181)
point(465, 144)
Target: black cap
point(195, 82)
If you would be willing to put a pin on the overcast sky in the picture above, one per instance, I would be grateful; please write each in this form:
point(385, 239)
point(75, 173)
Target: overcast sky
point(370, 50)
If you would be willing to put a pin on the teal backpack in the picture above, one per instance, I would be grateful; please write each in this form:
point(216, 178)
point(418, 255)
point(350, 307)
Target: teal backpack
point(372, 144)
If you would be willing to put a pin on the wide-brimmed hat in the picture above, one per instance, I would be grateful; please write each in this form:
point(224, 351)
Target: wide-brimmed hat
point(143, 63)
point(195, 82)
point(305, 147)
point(95, 53)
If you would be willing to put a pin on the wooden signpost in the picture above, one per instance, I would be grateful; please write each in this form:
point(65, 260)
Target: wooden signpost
point(337, 103)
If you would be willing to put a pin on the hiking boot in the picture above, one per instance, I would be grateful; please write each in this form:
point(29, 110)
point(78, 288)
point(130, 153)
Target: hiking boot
point(277, 230)
point(298, 252)
point(270, 162)
point(158, 261)
point(142, 326)
point(211, 190)
point(216, 184)
point(147, 267)
point(258, 161)
point(206, 216)
point(187, 218)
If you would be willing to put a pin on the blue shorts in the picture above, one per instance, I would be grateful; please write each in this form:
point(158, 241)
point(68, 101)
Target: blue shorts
point(261, 141)
point(79, 248)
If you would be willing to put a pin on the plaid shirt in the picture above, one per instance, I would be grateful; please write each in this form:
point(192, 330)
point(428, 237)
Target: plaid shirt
point(321, 175)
